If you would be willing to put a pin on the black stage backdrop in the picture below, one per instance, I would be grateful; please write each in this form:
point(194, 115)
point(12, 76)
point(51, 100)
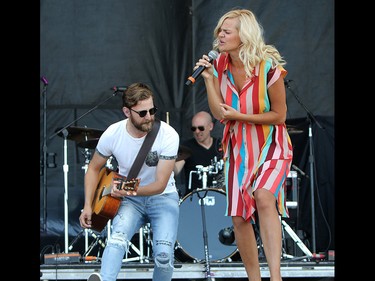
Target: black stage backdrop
point(89, 46)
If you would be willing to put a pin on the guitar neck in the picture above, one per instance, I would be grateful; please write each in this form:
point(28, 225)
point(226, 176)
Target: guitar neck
point(128, 185)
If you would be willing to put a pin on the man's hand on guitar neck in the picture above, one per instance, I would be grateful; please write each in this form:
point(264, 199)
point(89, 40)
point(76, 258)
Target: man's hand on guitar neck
point(123, 187)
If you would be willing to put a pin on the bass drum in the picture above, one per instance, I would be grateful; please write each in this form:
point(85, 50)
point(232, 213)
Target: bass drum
point(190, 244)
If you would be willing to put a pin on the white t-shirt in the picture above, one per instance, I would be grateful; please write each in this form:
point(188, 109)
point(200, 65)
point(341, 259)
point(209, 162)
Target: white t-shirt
point(116, 141)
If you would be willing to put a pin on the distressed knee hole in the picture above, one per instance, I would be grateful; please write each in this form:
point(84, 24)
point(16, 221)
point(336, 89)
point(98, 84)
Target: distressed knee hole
point(163, 260)
point(119, 239)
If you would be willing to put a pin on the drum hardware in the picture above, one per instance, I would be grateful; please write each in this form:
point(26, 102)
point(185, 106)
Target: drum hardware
point(97, 240)
point(203, 201)
point(90, 143)
point(109, 164)
point(75, 133)
point(144, 231)
point(89, 248)
point(80, 134)
point(147, 232)
point(226, 236)
point(293, 184)
point(189, 243)
point(139, 251)
point(296, 239)
point(87, 154)
point(212, 169)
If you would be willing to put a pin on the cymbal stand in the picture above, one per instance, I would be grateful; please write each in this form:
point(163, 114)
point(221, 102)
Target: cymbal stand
point(202, 173)
point(66, 170)
point(292, 234)
point(65, 133)
point(147, 233)
point(96, 241)
point(88, 249)
point(87, 155)
point(140, 252)
point(296, 239)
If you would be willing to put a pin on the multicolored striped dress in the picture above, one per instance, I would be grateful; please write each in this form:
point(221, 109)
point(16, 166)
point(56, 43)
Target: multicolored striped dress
point(256, 156)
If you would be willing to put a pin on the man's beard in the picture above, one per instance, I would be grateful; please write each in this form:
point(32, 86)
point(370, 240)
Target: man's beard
point(143, 126)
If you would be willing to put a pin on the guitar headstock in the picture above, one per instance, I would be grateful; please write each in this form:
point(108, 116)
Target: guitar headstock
point(128, 185)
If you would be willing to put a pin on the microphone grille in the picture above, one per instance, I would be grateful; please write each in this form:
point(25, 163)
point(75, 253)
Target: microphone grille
point(213, 54)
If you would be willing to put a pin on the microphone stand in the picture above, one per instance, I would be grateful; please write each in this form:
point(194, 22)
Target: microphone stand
point(65, 133)
point(44, 156)
point(310, 117)
point(203, 213)
point(202, 172)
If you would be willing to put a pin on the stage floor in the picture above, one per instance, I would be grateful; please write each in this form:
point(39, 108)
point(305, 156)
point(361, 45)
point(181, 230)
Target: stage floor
point(190, 262)
point(186, 271)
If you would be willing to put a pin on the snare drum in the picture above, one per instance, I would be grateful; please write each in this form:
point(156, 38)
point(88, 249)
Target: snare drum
point(190, 244)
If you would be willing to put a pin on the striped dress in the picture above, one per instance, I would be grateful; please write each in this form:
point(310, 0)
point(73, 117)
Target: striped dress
point(256, 156)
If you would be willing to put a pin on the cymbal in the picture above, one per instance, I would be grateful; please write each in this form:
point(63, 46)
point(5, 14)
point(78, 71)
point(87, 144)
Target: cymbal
point(90, 144)
point(184, 152)
point(80, 134)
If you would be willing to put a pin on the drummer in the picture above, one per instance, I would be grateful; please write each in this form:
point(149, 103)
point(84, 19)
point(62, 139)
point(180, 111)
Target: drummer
point(203, 147)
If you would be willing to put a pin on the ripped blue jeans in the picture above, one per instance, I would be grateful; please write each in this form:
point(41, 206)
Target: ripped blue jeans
point(162, 212)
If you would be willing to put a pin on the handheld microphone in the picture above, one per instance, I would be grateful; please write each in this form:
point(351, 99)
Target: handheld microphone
point(119, 88)
point(191, 80)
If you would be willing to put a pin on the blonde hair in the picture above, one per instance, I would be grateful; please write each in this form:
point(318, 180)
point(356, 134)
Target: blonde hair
point(253, 48)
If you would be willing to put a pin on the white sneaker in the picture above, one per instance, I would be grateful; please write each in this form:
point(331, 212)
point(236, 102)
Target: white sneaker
point(95, 277)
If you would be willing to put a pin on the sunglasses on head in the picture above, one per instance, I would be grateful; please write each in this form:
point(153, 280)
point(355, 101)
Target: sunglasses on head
point(143, 113)
point(200, 128)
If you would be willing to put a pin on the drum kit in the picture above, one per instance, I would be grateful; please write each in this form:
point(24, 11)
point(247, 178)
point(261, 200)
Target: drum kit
point(210, 202)
point(195, 243)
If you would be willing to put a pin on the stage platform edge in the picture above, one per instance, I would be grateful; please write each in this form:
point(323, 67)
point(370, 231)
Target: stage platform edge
point(133, 270)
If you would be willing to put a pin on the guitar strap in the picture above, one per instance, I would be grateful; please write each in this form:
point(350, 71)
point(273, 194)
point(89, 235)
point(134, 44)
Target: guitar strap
point(145, 148)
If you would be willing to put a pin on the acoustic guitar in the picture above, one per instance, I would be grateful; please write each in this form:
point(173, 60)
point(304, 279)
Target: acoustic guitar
point(104, 205)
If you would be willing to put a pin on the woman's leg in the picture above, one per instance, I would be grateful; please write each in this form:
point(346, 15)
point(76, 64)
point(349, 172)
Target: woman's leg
point(270, 231)
point(247, 246)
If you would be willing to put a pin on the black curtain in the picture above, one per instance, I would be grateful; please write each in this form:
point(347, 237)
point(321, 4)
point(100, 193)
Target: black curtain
point(315, 168)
